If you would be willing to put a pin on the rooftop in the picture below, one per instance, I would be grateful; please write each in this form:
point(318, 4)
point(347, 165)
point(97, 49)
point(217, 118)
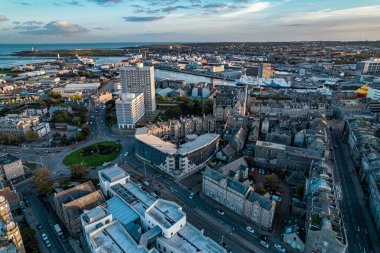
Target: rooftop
point(155, 142)
point(270, 144)
point(7, 159)
point(121, 211)
point(113, 174)
point(198, 143)
point(166, 213)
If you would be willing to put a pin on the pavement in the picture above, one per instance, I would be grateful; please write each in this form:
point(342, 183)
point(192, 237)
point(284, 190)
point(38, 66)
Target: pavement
point(361, 233)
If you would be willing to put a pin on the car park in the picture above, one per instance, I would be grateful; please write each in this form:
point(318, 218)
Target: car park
point(279, 247)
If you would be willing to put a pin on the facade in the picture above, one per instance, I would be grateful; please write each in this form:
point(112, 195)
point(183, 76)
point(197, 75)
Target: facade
point(130, 109)
point(10, 236)
point(134, 221)
point(111, 176)
point(14, 124)
point(71, 203)
point(10, 167)
point(369, 67)
point(325, 230)
point(374, 91)
point(239, 197)
point(177, 162)
point(140, 79)
point(41, 129)
point(265, 70)
point(230, 101)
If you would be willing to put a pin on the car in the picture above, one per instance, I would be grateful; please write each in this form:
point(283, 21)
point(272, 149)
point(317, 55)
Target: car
point(48, 244)
point(279, 247)
point(264, 243)
point(44, 237)
point(126, 154)
point(191, 196)
point(221, 212)
point(249, 229)
point(154, 195)
point(27, 203)
point(139, 184)
point(39, 226)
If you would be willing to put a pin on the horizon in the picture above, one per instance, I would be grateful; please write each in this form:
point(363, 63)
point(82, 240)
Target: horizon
point(198, 21)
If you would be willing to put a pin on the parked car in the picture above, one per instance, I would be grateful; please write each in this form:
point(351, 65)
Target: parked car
point(221, 212)
point(44, 237)
point(39, 226)
point(191, 196)
point(264, 243)
point(249, 229)
point(279, 247)
point(48, 244)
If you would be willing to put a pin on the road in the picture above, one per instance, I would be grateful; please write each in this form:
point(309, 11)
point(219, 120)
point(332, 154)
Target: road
point(357, 232)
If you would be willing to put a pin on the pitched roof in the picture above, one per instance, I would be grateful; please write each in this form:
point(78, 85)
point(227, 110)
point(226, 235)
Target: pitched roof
point(237, 186)
point(213, 174)
point(263, 201)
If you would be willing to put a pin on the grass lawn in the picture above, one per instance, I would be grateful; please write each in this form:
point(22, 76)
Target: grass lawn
point(31, 166)
point(8, 72)
point(94, 159)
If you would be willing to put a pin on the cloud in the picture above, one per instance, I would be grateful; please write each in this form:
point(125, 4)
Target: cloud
point(105, 2)
point(57, 27)
point(101, 28)
point(3, 18)
point(75, 3)
point(33, 22)
point(174, 8)
point(142, 19)
point(251, 8)
point(24, 3)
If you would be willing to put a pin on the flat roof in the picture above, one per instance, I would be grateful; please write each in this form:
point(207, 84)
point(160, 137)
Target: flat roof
point(270, 144)
point(166, 213)
point(198, 143)
point(114, 238)
point(7, 159)
point(155, 142)
point(121, 211)
point(114, 173)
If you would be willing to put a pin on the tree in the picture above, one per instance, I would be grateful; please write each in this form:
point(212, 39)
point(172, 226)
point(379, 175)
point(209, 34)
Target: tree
point(300, 190)
point(79, 171)
point(42, 178)
point(208, 106)
point(75, 97)
point(282, 172)
point(31, 136)
point(260, 189)
point(271, 180)
point(28, 237)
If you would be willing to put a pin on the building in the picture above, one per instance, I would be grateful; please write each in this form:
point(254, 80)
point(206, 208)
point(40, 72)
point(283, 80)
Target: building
point(71, 203)
point(239, 197)
point(177, 162)
point(130, 108)
point(230, 101)
point(14, 124)
point(325, 230)
point(10, 167)
point(369, 67)
point(41, 129)
point(265, 70)
point(291, 237)
point(10, 236)
point(140, 79)
point(111, 176)
point(134, 221)
point(374, 91)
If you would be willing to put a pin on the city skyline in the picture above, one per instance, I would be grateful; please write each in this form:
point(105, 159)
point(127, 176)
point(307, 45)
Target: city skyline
point(187, 21)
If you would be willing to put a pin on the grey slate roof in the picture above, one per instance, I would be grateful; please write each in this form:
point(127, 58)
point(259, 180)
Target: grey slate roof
point(237, 186)
point(213, 174)
point(263, 201)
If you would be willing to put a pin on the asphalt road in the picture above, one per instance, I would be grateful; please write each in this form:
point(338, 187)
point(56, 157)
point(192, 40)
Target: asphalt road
point(357, 233)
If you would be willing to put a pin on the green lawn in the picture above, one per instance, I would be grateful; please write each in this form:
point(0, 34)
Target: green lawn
point(30, 165)
point(8, 72)
point(94, 159)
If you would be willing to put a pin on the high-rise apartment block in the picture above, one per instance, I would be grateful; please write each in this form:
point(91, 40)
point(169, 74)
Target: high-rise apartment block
point(130, 108)
point(140, 79)
point(265, 70)
point(369, 67)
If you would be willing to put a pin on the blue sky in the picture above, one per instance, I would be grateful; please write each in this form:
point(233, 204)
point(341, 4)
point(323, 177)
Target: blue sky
point(39, 21)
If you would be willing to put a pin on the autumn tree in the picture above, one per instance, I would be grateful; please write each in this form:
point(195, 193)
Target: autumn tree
point(42, 178)
point(31, 136)
point(79, 171)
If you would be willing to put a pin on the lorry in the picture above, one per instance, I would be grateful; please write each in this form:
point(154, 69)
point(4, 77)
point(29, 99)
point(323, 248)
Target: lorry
point(58, 229)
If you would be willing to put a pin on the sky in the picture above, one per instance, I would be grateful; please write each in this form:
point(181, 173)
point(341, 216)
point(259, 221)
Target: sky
point(65, 21)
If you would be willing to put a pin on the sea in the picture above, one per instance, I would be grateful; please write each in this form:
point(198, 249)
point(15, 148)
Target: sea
point(8, 60)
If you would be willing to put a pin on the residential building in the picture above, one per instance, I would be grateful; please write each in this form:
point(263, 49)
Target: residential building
point(325, 230)
point(292, 237)
point(230, 101)
point(10, 167)
point(177, 162)
point(71, 203)
point(14, 124)
point(140, 79)
point(374, 91)
point(41, 129)
point(229, 187)
point(10, 235)
point(130, 108)
point(265, 70)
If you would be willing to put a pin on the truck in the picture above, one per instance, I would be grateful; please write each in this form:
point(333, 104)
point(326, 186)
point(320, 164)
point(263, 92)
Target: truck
point(58, 229)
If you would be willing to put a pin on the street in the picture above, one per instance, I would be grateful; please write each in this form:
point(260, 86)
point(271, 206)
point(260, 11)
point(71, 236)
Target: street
point(359, 239)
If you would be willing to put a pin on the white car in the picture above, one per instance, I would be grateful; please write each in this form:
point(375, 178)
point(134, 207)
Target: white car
point(44, 237)
point(191, 196)
point(279, 247)
point(249, 229)
point(221, 212)
point(126, 154)
point(264, 243)
point(48, 244)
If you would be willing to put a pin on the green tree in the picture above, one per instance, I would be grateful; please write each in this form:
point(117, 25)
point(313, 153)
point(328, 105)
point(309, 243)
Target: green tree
point(260, 189)
point(300, 190)
point(79, 171)
point(28, 237)
point(208, 106)
point(42, 178)
point(282, 172)
point(271, 180)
